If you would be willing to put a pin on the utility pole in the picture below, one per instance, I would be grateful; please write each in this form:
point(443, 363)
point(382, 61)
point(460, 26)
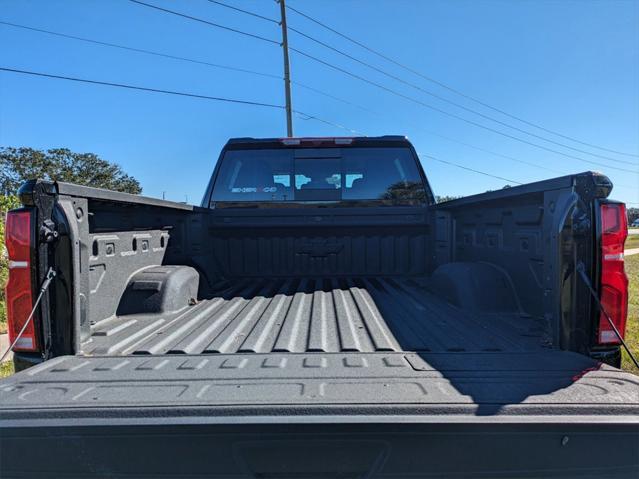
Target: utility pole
point(287, 72)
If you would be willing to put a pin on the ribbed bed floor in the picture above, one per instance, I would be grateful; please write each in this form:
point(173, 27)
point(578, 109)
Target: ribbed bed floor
point(322, 315)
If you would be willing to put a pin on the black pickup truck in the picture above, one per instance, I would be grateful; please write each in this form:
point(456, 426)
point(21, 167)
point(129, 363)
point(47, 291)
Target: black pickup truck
point(319, 315)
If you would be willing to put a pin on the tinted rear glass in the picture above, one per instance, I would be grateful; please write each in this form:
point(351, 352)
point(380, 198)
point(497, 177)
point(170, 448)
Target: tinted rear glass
point(385, 175)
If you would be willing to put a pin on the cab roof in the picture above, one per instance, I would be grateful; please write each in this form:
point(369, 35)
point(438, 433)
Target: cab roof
point(318, 142)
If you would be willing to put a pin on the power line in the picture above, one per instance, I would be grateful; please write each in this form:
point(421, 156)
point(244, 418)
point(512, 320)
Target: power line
point(447, 87)
point(513, 158)
point(417, 87)
point(217, 25)
point(305, 116)
point(300, 113)
point(329, 95)
point(246, 102)
point(453, 140)
point(154, 90)
point(487, 174)
point(135, 87)
point(302, 85)
point(206, 97)
point(247, 12)
point(237, 9)
point(412, 85)
point(536, 165)
point(140, 50)
point(171, 92)
point(469, 169)
point(391, 90)
point(185, 59)
point(253, 72)
point(507, 157)
point(263, 74)
point(444, 112)
point(446, 100)
point(230, 100)
point(394, 77)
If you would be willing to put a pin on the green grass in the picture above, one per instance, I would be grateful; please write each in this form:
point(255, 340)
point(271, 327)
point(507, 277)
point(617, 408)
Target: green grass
point(632, 242)
point(632, 326)
point(6, 369)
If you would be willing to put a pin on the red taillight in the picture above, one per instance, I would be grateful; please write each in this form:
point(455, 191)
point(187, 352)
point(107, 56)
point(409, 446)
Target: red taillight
point(614, 282)
point(19, 289)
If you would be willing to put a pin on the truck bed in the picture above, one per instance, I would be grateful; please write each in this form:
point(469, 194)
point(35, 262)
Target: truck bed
point(318, 315)
point(381, 346)
point(333, 356)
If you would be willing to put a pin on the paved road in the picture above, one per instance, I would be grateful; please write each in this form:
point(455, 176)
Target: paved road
point(633, 231)
point(631, 251)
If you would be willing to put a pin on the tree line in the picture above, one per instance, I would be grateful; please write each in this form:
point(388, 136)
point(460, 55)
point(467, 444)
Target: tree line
point(61, 164)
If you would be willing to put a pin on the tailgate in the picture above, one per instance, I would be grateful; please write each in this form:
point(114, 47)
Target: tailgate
point(321, 415)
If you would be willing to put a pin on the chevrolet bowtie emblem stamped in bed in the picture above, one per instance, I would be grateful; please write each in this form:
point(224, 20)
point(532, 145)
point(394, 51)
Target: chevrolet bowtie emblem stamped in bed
point(319, 248)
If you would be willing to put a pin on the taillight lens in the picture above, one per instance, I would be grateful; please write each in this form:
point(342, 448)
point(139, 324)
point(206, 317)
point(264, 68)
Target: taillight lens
point(18, 291)
point(614, 282)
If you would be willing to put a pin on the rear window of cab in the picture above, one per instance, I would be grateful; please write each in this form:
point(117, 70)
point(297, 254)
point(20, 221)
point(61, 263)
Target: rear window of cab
point(383, 175)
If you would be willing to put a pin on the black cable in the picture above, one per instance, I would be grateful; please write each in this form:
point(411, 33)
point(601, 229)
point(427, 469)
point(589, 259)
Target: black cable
point(245, 102)
point(237, 9)
point(390, 90)
point(329, 95)
point(446, 100)
point(134, 87)
point(170, 92)
point(140, 50)
point(417, 87)
point(501, 155)
point(469, 169)
point(443, 85)
point(452, 115)
point(267, 75)
point(277, 77)
point(306, 116)
point(453, 140)
point(190, 60)
point(302, 85)
point(217, 25)
point(186, 59)
point(253, 72)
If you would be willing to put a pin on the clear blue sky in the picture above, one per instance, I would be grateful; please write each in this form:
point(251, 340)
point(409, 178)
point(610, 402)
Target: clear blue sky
point(570, 66)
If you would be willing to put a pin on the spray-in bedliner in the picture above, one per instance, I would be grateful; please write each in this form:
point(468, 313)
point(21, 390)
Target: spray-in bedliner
point(318, 315)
